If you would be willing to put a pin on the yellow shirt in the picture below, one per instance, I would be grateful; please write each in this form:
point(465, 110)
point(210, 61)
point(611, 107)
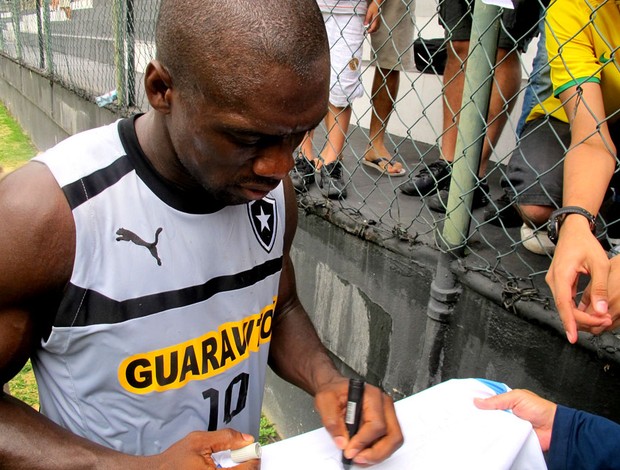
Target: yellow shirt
point(583, 39)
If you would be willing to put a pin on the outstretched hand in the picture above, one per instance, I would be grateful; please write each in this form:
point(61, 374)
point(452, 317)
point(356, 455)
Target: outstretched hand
point(194, 451)
point(528, 406)
point(379, 435)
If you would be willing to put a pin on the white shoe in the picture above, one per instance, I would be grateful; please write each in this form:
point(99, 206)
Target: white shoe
point(537, 240)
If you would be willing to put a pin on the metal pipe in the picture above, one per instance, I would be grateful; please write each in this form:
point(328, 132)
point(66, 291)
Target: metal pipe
point(16, 14)
point(472, 122)
point(119, 50)
point(47, 32)
point(131, 54)
point(445, 289)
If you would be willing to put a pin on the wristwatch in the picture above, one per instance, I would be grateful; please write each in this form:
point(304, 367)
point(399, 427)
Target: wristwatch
point(558, 216)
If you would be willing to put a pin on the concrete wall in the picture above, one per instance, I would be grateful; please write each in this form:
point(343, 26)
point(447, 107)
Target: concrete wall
point(369, 301)
point(47, 112)
point(369, 306)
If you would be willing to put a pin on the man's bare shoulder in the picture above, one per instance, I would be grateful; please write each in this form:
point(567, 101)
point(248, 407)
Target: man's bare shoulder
point(37, 234)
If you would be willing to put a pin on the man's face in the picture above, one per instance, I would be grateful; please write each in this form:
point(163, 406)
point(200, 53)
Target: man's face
point(240, 152)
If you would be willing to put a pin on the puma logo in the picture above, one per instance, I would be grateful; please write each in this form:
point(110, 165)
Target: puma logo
point(128, 236)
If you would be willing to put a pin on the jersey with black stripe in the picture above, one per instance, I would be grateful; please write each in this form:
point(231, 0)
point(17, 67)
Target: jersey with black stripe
point(165, 325)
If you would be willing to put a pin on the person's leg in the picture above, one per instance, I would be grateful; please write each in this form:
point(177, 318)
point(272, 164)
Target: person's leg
point(302, 176)
point(337, 125)
point(535, 170)
point(392, 52)
point(383, 95)
point(506, 84)
point(307, 147)
point(453, 81)
point(332, 183)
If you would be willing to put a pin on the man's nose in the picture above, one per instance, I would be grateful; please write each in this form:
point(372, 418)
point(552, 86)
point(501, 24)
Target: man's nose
point(274, 162)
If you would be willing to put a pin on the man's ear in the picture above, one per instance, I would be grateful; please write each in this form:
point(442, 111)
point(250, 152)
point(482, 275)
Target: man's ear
point(158, 86)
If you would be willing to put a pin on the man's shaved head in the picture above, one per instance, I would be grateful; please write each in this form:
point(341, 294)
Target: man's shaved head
point(221, 47)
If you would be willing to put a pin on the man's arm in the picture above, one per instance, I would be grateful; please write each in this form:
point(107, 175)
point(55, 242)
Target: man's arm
point(583, 440)
point(297, 355)
point(588, 167)
point(36, 243)
point(37, 239)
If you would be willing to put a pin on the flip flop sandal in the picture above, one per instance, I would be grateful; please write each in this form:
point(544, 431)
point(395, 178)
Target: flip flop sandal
point(376, 164)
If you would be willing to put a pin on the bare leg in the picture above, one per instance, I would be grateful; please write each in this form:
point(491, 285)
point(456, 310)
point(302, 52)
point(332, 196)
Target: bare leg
point(337, 123)
point(384, 90)
point(307, 149)
point(506, 84)
point(537, 216)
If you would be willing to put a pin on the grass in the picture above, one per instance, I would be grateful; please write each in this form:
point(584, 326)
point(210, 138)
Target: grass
point(15, 150)
point(15, 146)
point(24, 386)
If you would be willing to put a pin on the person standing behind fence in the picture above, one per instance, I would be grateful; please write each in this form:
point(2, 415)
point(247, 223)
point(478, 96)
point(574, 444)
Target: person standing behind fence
point(534, 175)
point(582, 42)
point(518, 28)
point(346, 22)
point(392, 50)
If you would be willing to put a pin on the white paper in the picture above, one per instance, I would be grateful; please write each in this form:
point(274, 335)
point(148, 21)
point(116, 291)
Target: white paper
point(500, 3)
point(442, 429)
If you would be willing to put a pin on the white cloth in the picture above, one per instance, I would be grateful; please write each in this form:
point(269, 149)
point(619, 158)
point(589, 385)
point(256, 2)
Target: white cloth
point(346, 39)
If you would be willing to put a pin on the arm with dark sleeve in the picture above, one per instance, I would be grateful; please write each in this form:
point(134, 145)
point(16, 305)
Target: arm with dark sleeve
point(583, 441)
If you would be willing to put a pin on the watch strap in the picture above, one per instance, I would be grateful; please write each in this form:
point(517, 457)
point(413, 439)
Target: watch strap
point(558, 216)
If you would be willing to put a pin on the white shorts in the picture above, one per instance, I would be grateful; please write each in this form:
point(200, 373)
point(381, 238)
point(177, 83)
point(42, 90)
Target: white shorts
point(346, 38)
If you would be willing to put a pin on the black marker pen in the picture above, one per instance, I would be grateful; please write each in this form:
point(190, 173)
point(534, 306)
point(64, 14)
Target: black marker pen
point(354, 412)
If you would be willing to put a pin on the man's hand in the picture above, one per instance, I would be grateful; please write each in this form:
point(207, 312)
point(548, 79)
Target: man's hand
point(579, 252)
point(372, 22)
point(194, 451)
point(528, 406)
point(379, 435)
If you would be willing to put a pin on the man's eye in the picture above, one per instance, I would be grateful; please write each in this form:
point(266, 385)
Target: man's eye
point(247, 141)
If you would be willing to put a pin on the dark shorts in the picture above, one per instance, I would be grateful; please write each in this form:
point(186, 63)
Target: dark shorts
point(518, 26)
point(535, 172)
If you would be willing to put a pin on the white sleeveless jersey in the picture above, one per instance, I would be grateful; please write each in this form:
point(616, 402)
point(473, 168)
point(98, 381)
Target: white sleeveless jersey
point(165, 326)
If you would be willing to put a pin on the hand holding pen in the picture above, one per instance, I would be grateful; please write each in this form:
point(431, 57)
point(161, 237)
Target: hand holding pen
point(353, 415)
point(379, 434)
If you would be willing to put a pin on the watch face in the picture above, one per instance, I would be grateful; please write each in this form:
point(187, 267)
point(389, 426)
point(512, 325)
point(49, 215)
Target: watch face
point(552, 230)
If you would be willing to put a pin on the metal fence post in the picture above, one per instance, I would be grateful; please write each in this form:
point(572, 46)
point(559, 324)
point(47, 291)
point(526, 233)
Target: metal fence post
point(131, 54)
point(472, 123)
point(17, 29)
point(119, 50)
point(47, 33)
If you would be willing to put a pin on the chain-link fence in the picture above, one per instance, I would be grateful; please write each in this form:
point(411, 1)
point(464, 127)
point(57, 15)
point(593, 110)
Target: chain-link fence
point(102, 46)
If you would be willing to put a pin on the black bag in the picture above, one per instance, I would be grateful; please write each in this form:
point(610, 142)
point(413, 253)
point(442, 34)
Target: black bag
point(430, 55)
